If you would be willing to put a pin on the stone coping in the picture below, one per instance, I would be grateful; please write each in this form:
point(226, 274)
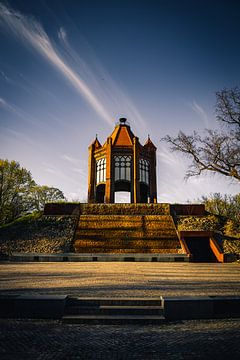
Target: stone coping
point(88, 257)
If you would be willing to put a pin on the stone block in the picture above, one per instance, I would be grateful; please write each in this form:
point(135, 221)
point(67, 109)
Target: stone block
point(7, 306)
point(226, 306)
point(62, 209)
point(40, 306)
point(183, 308)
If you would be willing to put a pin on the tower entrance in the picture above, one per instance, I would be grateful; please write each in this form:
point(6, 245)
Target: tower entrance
point(122, 197)
point(100, 193)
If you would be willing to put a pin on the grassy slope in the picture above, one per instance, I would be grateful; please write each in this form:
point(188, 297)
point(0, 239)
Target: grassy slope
point(38, 233)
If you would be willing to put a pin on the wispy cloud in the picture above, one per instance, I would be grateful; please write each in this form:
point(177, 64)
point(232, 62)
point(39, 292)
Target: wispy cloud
point(4, 104)
point(89, 78)
point(200, 112)
point(76, 165)
point(70, 159)
point(17, 135)
point(54, 170)
point(32, 33)
point(109, 92)
point(12, 108)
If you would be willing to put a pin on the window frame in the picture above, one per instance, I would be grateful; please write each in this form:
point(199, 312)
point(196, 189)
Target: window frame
point(144, 171)
point(101, 171)
point(122, 167)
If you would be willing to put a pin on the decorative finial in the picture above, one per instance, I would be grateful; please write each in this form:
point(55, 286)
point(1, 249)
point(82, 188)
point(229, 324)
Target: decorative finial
point(96, 136)
point(148, 137)
point(122, 120)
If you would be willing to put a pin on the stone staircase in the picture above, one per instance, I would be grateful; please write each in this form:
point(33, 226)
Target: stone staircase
point(113, 311)
point(77, 310)
point(105, 233)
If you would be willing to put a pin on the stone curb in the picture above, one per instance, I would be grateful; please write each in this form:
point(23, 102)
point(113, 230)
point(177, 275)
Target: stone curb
point(73, 257)
point(32, 306)
point(202, 307)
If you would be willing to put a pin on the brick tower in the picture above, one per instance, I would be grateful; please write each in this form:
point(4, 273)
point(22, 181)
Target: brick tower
point(122, 164)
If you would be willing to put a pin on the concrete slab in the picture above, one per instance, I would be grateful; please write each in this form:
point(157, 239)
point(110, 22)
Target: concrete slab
point(33, 306)
point(183, 308)
point(120, 279)
point(226, 306)
point(203, 307)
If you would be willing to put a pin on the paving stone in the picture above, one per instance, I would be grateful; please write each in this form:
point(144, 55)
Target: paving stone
point(195, 339)
point(121, 279)
point(50, 340)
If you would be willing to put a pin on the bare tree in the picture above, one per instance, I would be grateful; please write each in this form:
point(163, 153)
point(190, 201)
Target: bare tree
point(228, 106)
point(217, 151)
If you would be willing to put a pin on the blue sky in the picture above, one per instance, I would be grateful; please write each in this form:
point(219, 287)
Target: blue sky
point(70, 69)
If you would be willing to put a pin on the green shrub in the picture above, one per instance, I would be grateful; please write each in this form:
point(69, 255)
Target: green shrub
point(231, 246)
point(232, 228)
point(198, 223)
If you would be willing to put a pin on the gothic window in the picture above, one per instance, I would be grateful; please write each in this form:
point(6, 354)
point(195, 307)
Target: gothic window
point(122, 166)
point(144, 167)
point(101, 170)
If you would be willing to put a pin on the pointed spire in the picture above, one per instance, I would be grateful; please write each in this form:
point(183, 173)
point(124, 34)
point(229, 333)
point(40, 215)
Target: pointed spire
point(96, 143)
point(149, 143)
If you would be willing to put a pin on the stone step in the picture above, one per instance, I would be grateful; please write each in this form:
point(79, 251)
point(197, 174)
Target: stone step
point(82, 310)
point(116, 221)
point(120, 234)
point(125, 217)
point(78, 301)
point(111, 310)
point(101, 235)
point(113, 319)
point(124, 224)
point(125, 209)
point(119, 251)
point(128, 244)
point(131, 310)
point(127, 241)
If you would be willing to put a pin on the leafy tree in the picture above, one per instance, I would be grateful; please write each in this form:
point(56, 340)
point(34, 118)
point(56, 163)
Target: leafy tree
point(217, 151)
point(40, 195)
point(228, 207)
point(20, 194)
point(15, 183)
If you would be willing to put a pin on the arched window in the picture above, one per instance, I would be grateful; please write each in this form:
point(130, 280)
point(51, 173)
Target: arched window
point(122, 166)
point(144, 167)
point(101, 170)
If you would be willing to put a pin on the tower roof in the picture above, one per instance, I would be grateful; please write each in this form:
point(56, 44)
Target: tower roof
point(122, 135)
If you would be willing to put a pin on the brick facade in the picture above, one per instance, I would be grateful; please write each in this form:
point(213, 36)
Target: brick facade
point(122, 143)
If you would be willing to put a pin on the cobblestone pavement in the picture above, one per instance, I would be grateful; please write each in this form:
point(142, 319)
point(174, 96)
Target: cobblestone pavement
point(120, 279)
point(49, 340)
